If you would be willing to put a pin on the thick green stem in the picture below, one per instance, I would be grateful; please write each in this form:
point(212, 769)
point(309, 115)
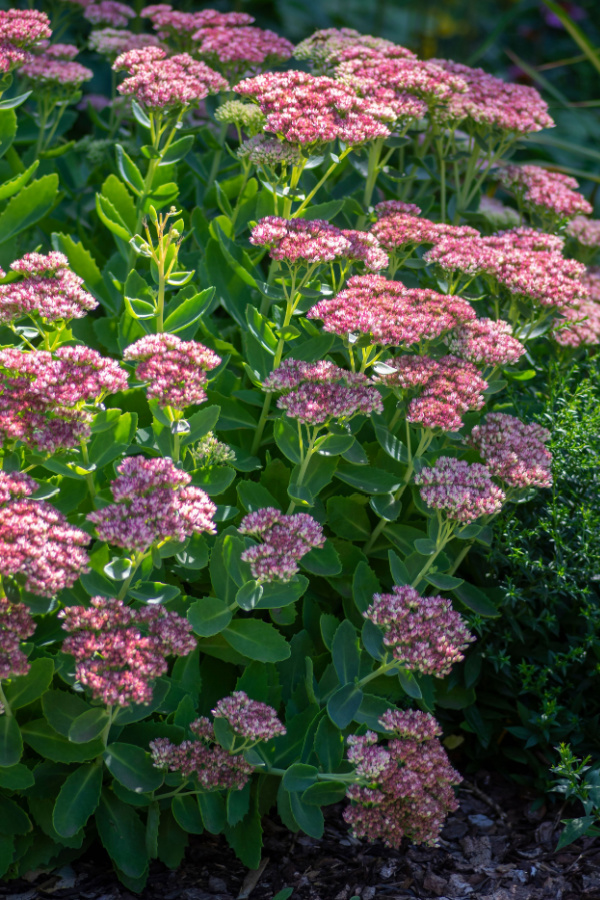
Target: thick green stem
point(89, 477)
point(6, 710)
point(320, 183)
point(444, 537)
point(136, 563)
point(380, 670)
point(276, 363)
point(304, 467)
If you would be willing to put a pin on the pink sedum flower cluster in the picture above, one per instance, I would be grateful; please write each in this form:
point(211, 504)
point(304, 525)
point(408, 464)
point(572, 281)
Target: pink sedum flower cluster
point(175, 370)
point(328, 45)
point(56, 75)
point(49, 289)
point(485, 342)
point(176, 25)
point(109, 12)
point(238, 49)
point(463, 491)
point(513, 451)
point(16, 625)
point(164, 84)
point(319, 392)
point(24, 28)
point(579, 325)
point(584, 230)
point(389, 313)
point(119, 652)
point(406, 788)
point(112, 42)
point(425, 634)
point(250, 719)
point(284, 541)
point(154, 502)
point(398, 227)
point(548, 192)
point(314, 241)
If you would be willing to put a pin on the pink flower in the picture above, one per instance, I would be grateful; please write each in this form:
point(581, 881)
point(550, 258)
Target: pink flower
point(44, 71)
point(16, 625)
point(238, 49)
point(58, 51)
point(248, 718)
point(49, 289)
point(579, 325)
point(15, 486)
point(284, 541)
point(312, 241)
point(397, 228)
point(328, 45)
point(166, 84)
point(119, 651)
point(154, 502)
point(545, 191)
point(586, 231)
point(111, 42)
point(179, 27)
point(174, 369)
point(485, 342)
point(109, 12)
point(513, 451)
point(463, 491)
point(391, 207)
point(23, 27)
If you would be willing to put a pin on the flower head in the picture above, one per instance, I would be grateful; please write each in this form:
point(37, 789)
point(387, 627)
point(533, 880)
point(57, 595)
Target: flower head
point(264, 151)
point(49, 289)
point(16, 625)
point(235, 50)
point(578, 325)
point(250, 719)
point(165, 84)
point(513, 451)
point(545, 191)
point(586, 231)
point(112, 42)
point(284, 541)
point(24, 28)
point(57, 75)
point(485, 342)
point(327, 46)
point(247, 115)
point(312, 241)
point(463, 491)
point(109, 12)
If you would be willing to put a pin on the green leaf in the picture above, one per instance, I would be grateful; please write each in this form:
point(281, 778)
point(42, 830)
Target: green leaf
point(61, 708)
point(249, 595)
point(399, 571)
point(16, 778)
point(277, 596)
point(11, 741)
point(372, 638)
point(245, 838)
point(238, 803)
point(189, 311)
point(328, 210)
point(177, 151)
point(257, 640)
point(77, 800)
point(200, 424)
point(287, 439)
point(122, 834)
point(25, 689)
point(132, 767)
point(324, 793)
point(335, 444)
point(111, 218)
point(83, 263)
point(49, 743)
point(10, 188)
point(322, 561)
point(329, 745)
point(575, 829)
point(186, 813)
point(129, 171)
point(364, 584)
point(8, 128)
point(13, 819)
point(392, 445)
point(137, 711)
point(343, 705)
point(115, 192)
point(368, 478)
point(209, 616)
point(28, 207)
point(299, 777)
point(345, 652)
point(13, 102)
point(261, 329)
point(214, 812)
point(371, 709)
point(309, 818)
point(409, 684)
point(347, 517)
point(89, 725)
point(443, 582)
point(475, 599)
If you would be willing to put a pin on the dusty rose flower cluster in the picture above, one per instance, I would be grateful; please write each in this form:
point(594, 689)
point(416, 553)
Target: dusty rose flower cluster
point(578, 325)
point(57, 51)
point(112, 42)
point(319, 392)
point(166, 84)
point(120, 651)
point(548, 192)
point(485, 342)
point(586, 231)
point(310, 110)
point(109, 12)
point(204, 759)
point(62, 76)
point(236, 50)
point(425, 634)
point(407, 785)
point(389, 313)
point(399, 227)
point(21, 30)
point(312, 241)
point(250, 719)
point(179, 27)
point(37, 544)
point(284, 541)
point(16, 625)
point(154, 502)
point(175, 370)
point(513, 451)
point(327, 46)
point(463, 491)
point(449, 387)
point(49, 289)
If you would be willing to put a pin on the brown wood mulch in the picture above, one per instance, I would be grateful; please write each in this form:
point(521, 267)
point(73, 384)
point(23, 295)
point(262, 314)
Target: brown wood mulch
point(497, 846)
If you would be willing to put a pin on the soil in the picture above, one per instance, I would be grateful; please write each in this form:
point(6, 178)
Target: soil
point(497, 846)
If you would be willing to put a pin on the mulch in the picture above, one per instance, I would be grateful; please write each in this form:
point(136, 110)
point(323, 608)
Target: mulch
point(498, 846)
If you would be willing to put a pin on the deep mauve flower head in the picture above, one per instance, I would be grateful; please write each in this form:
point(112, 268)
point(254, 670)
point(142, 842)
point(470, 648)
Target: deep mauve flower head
point(248, 718)
point(15, 486)
point(48, 289)
point(12, 57)
point(320, 392)
point(16, 625)
point(424, 634)
point(485, 342)
point(312, 110)
point(497, 214)
point(167, 84)
point(390, 207)
point(513, 451)
point(39, 547)
point(236, 50)
point(545, 191)
point(271, 152)
point(119, 651)
point(284, 541)
point(112, 42)
point(463, 491)
point(396, 228)
point(325, 48)
point(488, 100)
point(109, 12)
point(175, 370)
point(586, 231)
point(204, 759)
point(57, 75)
point(365, 248)
point(406, 785)
point(24, 28)
point(389, 313)
point(578, 325)
point(154, 502)
point(312, 241)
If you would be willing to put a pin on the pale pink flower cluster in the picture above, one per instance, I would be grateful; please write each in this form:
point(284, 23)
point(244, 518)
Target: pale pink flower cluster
point(284, 541)
point(390, 313)
point(586, 231)
point(328, 45)
point(111, 42)
point(203, 759)
point(154, 502)
point(42, 394)
point(264, 151)
point(485, 342)
point(513, 451)
point(24, 28)
point(311, 241)
point(397, 227)
point(525, 238)
point(591, 282)
point(390, 207)
point(319, 392)
point(549, 192)
point(238, 49)
point(178, 26)
point(120, 651)
point(49, 290)
point(310, 110)
point(16, 625)
point(449, 386)
point(250, 719)
point(37, 544)
point(44, 71)
point(11, 57)
point(511, 107)
point(406, 788)
point(425, 634)
point(578, 325)
point(463, 491)
point(58, 51)
point(175, 370)
point(166, 84)
point(109, 12)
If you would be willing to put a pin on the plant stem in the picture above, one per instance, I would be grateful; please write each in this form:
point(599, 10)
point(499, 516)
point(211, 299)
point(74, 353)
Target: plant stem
point(89, 477)
point(320, 183)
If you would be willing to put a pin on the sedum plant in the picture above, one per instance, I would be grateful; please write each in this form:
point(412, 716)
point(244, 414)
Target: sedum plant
point(252, 424)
